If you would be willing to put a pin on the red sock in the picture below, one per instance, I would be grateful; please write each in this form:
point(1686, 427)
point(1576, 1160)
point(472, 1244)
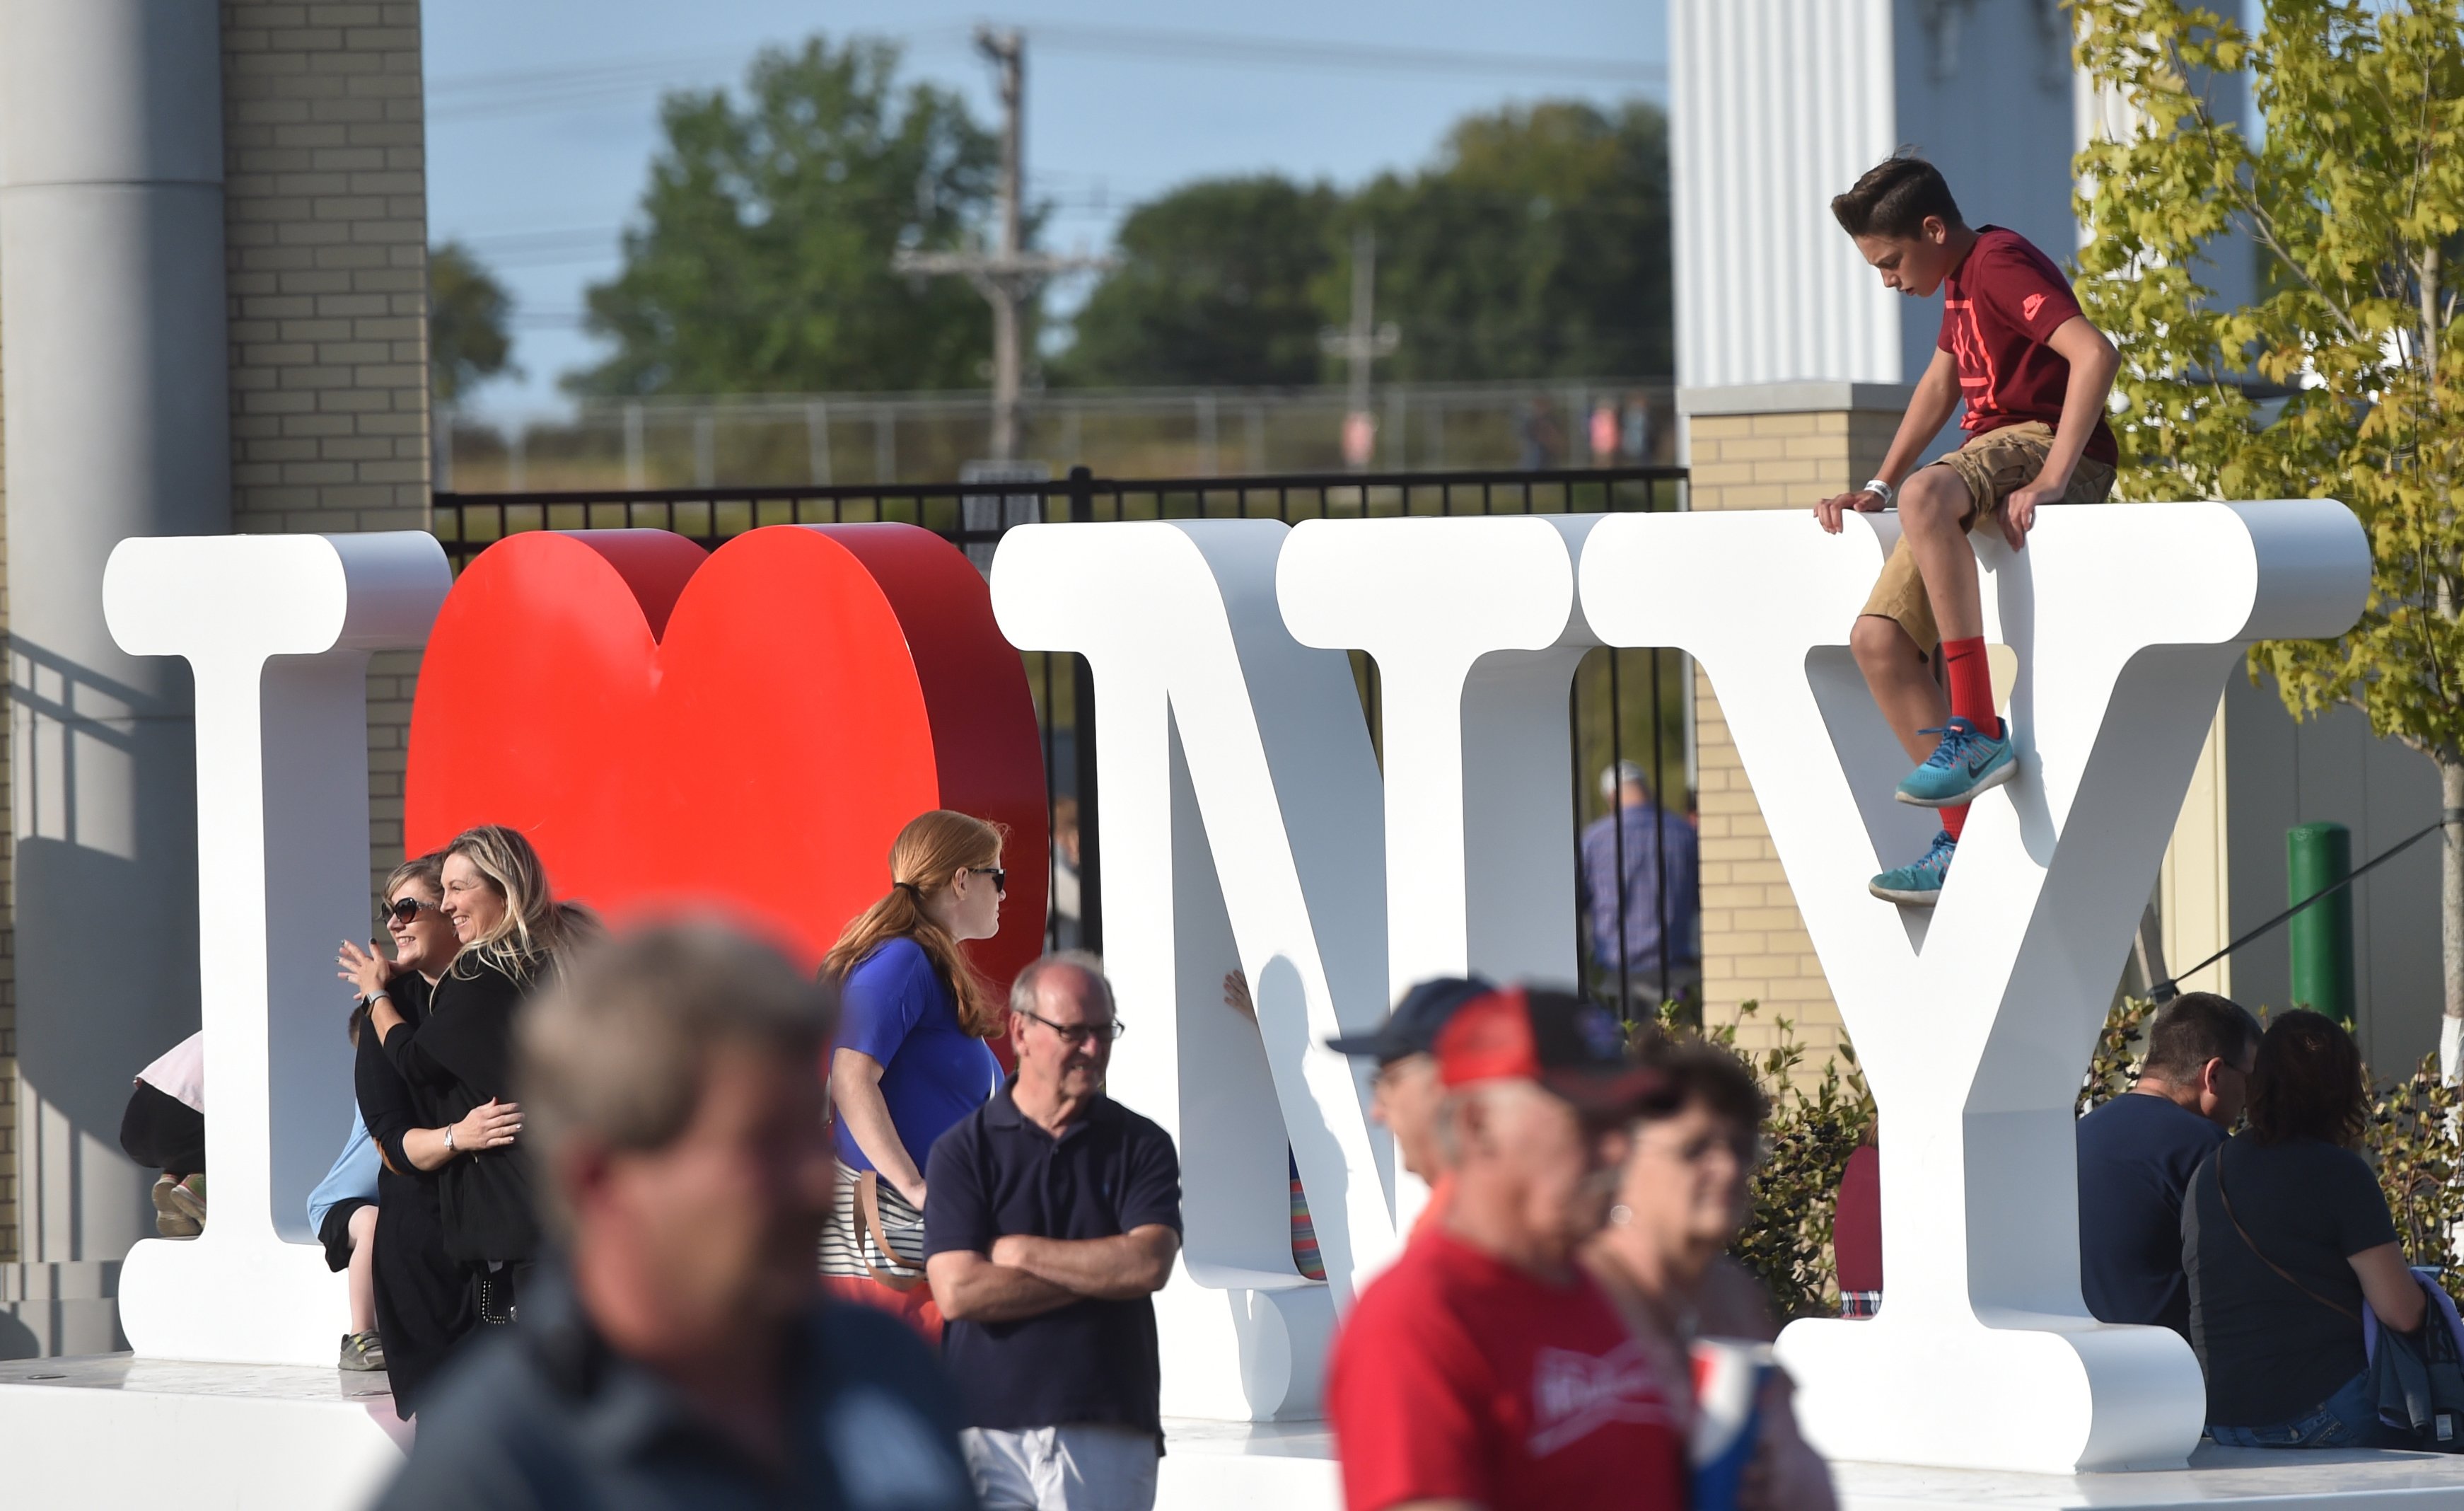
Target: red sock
point(1972, 683)
point(1954, 819)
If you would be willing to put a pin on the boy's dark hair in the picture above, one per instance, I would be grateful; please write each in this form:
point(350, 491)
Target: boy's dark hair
point(2194, 1028)
point(2308, 1084)
point(1894, 198)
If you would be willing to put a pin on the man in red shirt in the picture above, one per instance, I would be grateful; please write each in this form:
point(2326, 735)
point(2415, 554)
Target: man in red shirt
point(1486, 1369)
point(2034, 375)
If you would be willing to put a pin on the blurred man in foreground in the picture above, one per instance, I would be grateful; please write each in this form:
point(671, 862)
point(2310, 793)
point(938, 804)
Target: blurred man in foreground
point(685, 1357)
point(1487, 1369)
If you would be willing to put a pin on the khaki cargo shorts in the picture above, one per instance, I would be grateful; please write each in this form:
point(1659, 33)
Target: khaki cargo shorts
point(1994, 466)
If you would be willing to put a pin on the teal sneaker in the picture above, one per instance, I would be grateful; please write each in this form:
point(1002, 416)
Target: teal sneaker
point(1919, 883)
point(1968, 763)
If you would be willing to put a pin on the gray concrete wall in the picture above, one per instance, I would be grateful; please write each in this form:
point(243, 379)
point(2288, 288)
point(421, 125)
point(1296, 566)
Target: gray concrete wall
point(112, 279)
point(276, 380)
point(2332, 770)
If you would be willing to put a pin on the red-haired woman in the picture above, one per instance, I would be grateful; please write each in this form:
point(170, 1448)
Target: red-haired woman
point(910, 1058)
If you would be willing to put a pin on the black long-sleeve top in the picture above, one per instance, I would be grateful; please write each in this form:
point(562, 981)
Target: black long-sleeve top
point(458, 1057)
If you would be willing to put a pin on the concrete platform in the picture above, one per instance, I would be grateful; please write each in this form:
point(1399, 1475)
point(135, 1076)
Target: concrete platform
point(2279, 1481)
point(112, 1432)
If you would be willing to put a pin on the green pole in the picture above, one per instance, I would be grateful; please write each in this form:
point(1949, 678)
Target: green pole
point(2317, 857)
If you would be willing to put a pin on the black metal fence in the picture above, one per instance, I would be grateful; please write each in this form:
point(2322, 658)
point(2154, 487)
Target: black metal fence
point(1626, 705)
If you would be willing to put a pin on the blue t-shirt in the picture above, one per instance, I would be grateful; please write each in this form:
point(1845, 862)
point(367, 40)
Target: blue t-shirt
point(934, 1073)
point(2136, 1153)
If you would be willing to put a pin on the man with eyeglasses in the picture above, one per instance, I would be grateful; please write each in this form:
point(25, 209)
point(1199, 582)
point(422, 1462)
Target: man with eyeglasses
point(1054, 1216)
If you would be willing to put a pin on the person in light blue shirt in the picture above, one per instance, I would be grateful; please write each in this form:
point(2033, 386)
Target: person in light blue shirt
point(342, 1215)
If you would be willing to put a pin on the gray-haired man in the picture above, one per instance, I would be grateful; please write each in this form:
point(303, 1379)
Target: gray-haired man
point(1055, 1215)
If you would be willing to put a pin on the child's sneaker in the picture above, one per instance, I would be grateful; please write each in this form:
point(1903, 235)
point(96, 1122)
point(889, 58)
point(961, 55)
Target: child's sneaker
point(170, 1221)
point(1968, 763)
point(1918, 883)
point(363, 1352)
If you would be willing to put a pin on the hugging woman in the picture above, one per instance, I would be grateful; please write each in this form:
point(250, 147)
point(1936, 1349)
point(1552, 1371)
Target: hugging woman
point(456, 1059)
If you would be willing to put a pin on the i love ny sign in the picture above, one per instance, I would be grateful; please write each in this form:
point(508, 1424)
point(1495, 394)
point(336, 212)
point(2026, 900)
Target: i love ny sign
point(749, 729)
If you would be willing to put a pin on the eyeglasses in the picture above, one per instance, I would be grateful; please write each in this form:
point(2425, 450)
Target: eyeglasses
point(999, 873)
point(1074, 1035)
point(402, 910)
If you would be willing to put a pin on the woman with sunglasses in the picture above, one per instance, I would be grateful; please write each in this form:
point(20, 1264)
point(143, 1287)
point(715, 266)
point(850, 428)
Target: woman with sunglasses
point(422, 1301)
point(911, 1056)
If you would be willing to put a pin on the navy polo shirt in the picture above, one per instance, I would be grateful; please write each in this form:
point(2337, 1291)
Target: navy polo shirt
point(996, 1173)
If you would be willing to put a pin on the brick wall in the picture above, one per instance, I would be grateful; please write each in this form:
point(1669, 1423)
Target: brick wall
point(325, 217)
point(1766, 447)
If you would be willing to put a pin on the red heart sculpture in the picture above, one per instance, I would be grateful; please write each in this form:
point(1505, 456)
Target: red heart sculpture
point(748, 727)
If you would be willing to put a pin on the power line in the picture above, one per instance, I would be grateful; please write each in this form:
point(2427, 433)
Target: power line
point(1216, 47)
point(536, 91)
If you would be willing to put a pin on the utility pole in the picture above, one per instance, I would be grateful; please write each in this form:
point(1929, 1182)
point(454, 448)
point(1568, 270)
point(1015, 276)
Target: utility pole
point(1008, 276)
point(1361, 344)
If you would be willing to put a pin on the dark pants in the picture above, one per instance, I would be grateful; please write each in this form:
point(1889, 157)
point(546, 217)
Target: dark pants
point(425, 1302)
point(2347, 1419)
point(163, 1133)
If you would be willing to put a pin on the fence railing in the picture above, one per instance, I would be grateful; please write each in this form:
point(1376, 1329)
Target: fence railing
point(1626, 705)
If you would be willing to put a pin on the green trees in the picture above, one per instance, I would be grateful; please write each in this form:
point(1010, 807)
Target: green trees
point(1536, 245)
point(762, 260)
point(2353, 198)
point(1218, 281)
point(466, 312)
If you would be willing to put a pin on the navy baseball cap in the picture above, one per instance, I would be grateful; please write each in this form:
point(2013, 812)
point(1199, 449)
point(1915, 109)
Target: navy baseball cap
point(1414, 1026)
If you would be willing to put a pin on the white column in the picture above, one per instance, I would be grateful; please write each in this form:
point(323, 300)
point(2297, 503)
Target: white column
point(111, 272)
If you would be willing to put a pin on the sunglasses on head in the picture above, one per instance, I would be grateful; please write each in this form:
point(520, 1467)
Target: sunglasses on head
point(402, 910)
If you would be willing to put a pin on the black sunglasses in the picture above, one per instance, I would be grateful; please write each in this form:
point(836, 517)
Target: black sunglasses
point(999, 873)
point(402, 910)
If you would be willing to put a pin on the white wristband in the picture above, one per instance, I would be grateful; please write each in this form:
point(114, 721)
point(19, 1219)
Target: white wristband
point(1881, 490)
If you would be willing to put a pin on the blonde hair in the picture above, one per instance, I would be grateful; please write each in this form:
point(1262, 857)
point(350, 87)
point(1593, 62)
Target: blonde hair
point(428, 870)
point(534, 929)
point(933, 847)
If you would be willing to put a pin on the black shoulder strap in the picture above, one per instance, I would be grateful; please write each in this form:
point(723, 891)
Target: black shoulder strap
point(2287, 1275)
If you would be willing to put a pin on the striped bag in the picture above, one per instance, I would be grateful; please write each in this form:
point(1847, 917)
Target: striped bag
point(874, 1232)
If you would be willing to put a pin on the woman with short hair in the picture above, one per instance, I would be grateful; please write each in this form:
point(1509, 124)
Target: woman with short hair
point(2284, 1235)
point(1663, 1258)
point(510, 931)
point(422, 1296)
point(912, 1058)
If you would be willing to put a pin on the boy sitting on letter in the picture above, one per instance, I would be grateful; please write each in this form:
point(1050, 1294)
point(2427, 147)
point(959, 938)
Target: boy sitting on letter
point(2035, 376)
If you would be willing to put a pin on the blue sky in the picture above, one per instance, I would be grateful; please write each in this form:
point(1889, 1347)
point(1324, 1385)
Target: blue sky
point(543, 114)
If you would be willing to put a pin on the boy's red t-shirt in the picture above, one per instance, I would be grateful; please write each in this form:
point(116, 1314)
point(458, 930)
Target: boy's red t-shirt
point(1460, 1377)
point(1999, 307)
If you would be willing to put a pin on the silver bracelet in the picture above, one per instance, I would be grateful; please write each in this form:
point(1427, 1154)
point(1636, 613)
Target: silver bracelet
point(448, 1139)
point(1880, 489)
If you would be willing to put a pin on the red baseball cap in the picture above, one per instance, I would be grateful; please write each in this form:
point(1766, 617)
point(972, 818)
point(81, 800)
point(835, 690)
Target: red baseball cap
point(1563, 1043)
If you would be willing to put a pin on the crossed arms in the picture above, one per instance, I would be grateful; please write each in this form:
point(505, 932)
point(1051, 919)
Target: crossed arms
point(1026, 1276)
